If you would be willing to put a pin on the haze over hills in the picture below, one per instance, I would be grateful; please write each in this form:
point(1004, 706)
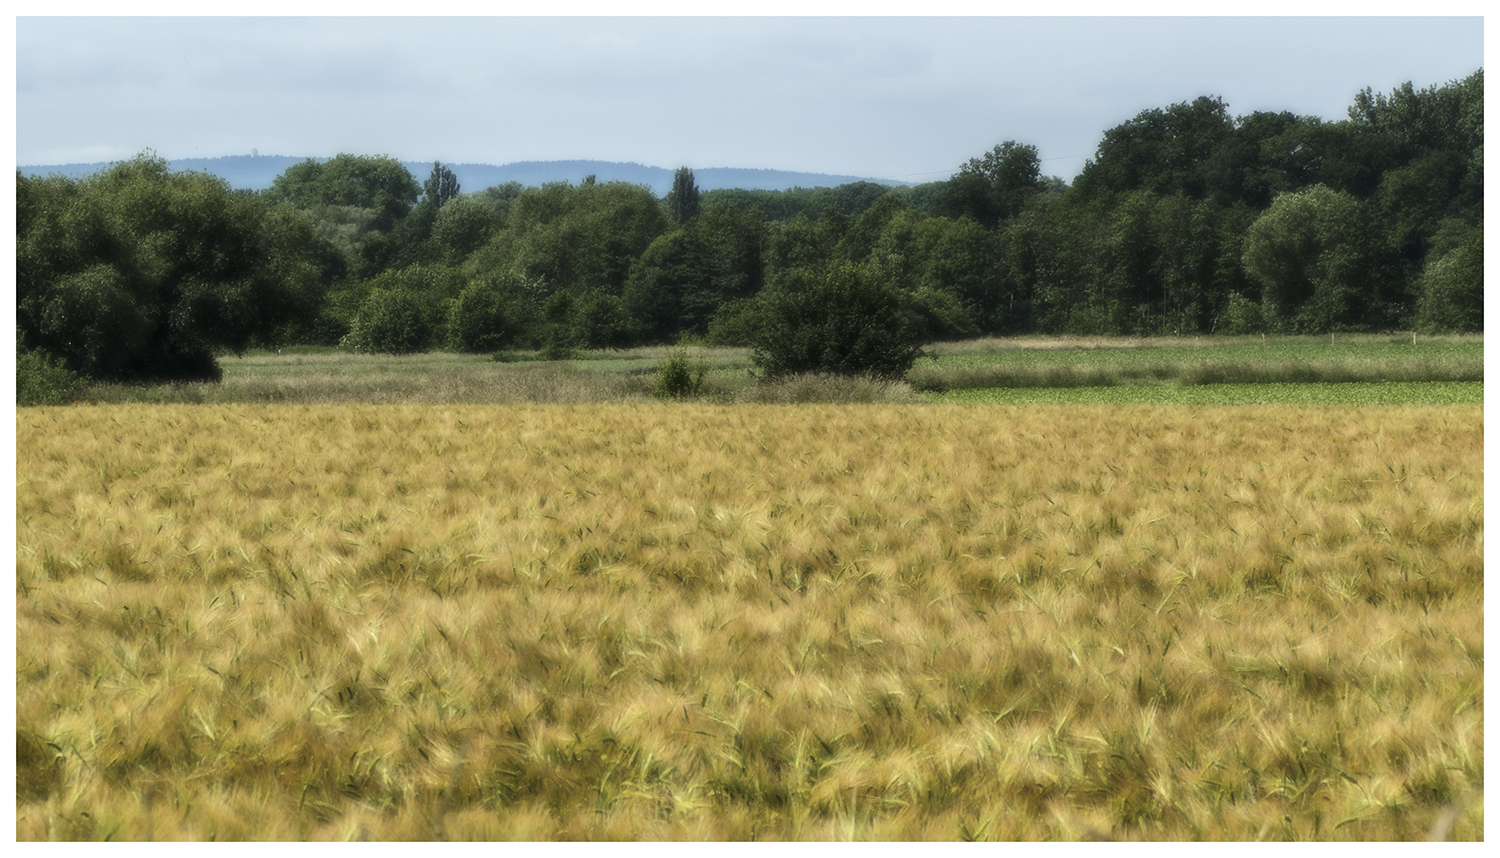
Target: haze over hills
point(257, 172)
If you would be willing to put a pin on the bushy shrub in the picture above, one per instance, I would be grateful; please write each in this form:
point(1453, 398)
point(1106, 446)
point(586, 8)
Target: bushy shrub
point(678, 376)
point(844, 320)
point(390, 322)
point(42, 380)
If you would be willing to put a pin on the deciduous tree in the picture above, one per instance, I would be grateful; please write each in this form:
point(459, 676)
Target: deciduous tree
point(138, 272)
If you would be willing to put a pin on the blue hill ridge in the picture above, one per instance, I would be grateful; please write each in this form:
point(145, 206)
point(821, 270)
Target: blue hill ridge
point(257, 172)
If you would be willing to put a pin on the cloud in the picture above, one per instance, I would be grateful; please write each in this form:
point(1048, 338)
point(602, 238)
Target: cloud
point(870, 96)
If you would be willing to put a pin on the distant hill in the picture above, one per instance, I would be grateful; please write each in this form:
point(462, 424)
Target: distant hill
point(257, 172)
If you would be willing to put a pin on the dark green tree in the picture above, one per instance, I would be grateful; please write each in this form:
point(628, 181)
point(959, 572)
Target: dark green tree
point(864, 233)
point(382, 184)
point(994, 187)
point(138, 273)
point(684, 201)
point(575, 239)
point(1450, 295)
point(462, 227)
point(1312, 254)
point(802, 243)
point(441, 186)
point(1168, 151)
point(684, 277)
point(41, 379)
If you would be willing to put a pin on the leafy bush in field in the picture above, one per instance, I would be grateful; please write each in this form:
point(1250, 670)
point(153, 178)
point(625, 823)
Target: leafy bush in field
point(390, 322)
point(42, 380)
point(843, 320)
point(678, 377)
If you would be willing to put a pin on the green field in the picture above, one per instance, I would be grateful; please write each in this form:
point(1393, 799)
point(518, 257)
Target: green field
point(1357, 393)
point(1349, 370)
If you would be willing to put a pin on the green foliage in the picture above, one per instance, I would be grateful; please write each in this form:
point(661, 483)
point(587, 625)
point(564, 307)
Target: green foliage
point(138, 273)
point(42, 380)
point(1451, 290)
point(678, 376)
point(850, 199)
point(1242, 316)
point(488, 315)
point(391, 321)
point(1166, 151)
point(684, 201)
point(381, 184)
point(599, 322)
point(440, 187)
point(864, 233)
point(1310, 252)
point(685, 276)
point(994, 187)
point(463, 226)
point(736, 323)
point(801, 244)
point(575, 239)
point(934, 314)
point(842, 320)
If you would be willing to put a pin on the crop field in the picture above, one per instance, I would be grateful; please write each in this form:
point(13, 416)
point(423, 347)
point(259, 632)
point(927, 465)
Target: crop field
point(703, 621)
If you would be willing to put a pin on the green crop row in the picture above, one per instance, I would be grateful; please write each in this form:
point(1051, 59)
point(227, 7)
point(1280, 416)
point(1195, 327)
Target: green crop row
point(1384, 393)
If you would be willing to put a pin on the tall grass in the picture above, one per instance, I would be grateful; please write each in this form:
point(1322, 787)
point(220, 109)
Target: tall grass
point(988, 364)
point(693, 621)
point(1103, 363)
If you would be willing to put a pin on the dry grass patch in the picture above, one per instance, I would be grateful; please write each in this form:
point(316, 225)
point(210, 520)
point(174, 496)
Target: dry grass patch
point(701, 622)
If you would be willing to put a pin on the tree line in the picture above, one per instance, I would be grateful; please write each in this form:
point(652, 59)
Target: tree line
point(1187, 220)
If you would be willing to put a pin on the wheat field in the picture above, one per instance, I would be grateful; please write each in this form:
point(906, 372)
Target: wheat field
point(697, 622)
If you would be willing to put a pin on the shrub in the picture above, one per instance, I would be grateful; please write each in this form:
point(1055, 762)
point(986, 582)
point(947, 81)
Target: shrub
point(42, 380)
point(844, 320)
point(390, 322)
point(677, 377)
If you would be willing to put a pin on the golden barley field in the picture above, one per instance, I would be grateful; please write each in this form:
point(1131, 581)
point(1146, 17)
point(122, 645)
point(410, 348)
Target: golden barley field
point(691, 622)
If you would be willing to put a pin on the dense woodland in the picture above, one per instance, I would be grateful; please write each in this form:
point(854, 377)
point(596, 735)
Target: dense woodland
point(1188, 220)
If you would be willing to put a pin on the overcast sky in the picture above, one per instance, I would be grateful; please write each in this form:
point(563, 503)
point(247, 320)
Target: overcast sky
point(909, 98)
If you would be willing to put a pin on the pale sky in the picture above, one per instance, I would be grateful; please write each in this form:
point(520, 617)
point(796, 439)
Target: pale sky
point(907, 98)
